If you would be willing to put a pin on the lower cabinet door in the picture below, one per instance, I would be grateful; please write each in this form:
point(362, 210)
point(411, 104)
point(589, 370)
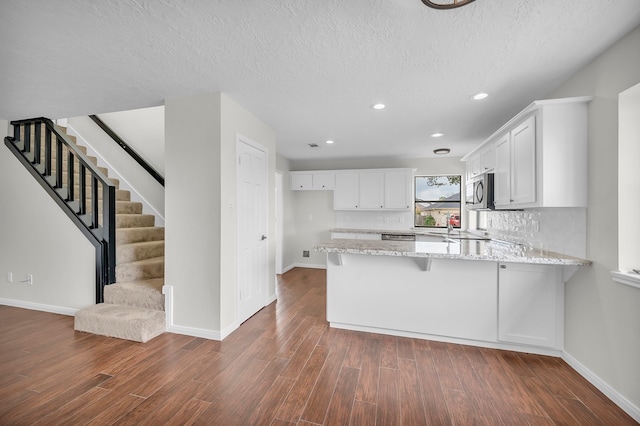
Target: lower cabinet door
point(531, 305)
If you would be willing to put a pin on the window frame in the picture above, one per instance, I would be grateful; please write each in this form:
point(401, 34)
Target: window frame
point(417, 201)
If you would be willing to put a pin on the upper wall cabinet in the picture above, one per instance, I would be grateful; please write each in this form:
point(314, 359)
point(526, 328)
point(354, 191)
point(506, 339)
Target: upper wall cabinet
point(482, 161)
point(373, 189)
point(541, 156)
point(317, 180)
point(364, 189)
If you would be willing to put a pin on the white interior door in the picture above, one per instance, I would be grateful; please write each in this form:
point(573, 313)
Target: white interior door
point(253, 212)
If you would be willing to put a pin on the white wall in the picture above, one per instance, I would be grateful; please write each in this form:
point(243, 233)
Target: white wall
point(314, 214)
point(37, 238)
point(289, 245)
point(603, 317)
point(192, 210)
point(143, 130)
point(200, 194)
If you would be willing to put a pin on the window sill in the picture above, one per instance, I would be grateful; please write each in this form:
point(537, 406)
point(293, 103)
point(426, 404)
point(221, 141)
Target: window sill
point(626, 278)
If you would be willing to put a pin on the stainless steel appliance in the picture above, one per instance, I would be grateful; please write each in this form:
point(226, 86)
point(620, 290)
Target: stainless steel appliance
point(398, 237)
point(479, 192)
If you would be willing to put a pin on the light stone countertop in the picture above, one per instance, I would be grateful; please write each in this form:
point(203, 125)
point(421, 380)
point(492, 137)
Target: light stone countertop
point(464, 250)
point(415, 231)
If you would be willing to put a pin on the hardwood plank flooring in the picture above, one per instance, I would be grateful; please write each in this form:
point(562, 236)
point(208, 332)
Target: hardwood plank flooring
point(283, 367)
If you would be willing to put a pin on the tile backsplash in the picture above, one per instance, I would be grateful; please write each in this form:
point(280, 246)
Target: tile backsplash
point(561, 230)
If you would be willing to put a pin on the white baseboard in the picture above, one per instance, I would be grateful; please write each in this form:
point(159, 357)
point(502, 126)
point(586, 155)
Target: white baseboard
point(480, 343)
point(194, 332)
point(622, 402)
point(304, 265)
point(38, 307)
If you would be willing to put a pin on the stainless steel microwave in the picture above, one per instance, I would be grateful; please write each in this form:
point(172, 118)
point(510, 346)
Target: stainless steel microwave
point(479, 192)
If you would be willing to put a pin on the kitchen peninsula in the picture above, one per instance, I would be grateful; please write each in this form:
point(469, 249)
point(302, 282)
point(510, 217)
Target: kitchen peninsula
point(473, 291)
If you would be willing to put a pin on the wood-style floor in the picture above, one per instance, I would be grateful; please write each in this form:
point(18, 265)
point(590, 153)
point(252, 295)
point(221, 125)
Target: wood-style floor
point(284, 366)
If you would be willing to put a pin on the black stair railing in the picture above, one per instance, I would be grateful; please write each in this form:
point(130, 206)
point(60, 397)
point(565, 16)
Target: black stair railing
point(77, 185)
point(117, 139)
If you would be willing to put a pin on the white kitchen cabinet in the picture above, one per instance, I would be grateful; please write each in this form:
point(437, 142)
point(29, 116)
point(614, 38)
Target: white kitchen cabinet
point(346, 192)
point(545, 156)
point(481, 161)
point(531, 305)
point(515, 172)
point(324, 181)
point(320, 180)
point(502, 176)
point(301, 181)
point(398, 189)
point(373, 189)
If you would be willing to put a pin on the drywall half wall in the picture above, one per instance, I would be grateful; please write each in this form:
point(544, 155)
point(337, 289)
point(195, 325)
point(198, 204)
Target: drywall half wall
point(602, 317)
point(192, 213)
point(36, 237)
point(200, 200)
point(314, 215)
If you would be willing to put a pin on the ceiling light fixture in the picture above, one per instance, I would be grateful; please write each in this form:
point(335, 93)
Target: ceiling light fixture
point(378, 106)
point(441, 151)
point(329, 142)
point(437, 135)
point(479, 96)
point(442, 4)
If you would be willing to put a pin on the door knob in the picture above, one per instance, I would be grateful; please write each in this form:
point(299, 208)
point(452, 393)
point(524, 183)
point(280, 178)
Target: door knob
point(264, 237)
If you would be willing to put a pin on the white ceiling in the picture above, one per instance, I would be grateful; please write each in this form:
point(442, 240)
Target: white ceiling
point(309, 68)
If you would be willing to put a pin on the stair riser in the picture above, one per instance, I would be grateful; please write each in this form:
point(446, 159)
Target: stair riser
point(134, 221)
point(140, 294)
point(134, 272)
point(132, 235)
point(120, 322)
point(65, 158)
point(131, 253)
point(122, 207)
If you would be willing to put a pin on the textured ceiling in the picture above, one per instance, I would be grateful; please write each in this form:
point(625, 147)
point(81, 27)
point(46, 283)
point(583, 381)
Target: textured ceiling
point(309, 68)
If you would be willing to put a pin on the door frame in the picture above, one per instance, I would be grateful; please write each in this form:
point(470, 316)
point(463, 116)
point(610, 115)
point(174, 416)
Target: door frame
point(279, 216)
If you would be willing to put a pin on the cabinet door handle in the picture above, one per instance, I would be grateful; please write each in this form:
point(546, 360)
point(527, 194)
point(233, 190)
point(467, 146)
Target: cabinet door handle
point(503, 266)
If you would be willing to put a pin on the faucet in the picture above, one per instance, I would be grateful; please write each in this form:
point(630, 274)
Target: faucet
point(449, 225)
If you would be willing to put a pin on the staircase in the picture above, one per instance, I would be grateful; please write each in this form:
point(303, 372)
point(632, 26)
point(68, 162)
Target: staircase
point(133, 307)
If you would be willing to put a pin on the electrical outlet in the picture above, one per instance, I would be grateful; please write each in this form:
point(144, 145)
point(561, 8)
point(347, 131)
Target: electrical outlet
point(9, 277)
point(305, 253)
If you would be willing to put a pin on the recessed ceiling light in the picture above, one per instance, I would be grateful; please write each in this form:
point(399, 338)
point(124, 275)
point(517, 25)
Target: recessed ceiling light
point(378, 106)
point(479, 96)
point(437, 135)
point(441, 151)
point(329, 142)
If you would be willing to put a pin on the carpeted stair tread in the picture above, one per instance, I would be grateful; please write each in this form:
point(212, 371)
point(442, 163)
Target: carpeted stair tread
point(140, 270)
point(121, 321)
point(132, 252)
point(134, 235)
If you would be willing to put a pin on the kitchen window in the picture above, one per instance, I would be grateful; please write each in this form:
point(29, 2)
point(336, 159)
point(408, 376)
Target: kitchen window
point(437, 201)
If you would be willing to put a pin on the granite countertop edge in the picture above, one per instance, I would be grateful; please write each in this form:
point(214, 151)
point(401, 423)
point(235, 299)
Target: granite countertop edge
point(523, 254)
